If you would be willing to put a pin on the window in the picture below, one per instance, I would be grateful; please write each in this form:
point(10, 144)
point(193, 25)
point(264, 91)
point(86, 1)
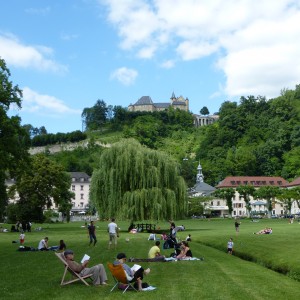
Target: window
point(73, 179)
point(234, 213)
point(81, 204)
point(73, 204)
point(73, 187)
point(218, 203)
point(81, 187)
point(81, 196)
point(212, 203)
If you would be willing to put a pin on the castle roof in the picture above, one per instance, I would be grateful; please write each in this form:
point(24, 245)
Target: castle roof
point(145, 100)
point(161, 105)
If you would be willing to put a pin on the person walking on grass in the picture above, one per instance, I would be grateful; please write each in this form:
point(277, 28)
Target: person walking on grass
point(92, 233)
point(237, 226)
point(230, 246)
point(113, 232)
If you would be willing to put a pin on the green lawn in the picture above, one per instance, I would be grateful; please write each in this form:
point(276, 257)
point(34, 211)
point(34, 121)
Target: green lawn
point(37, 275)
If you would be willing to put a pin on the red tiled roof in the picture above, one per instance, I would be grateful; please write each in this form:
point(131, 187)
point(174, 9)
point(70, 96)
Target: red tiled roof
point(256, 181)
point(295, 182)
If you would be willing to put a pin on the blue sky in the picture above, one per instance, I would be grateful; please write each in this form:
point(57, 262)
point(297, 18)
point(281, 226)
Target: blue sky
point(67, 54)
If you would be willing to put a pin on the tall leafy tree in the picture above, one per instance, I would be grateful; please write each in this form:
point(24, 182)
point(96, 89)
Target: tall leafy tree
point(43, 183)
point(286, 196)
point(204, 111)
point(269, 193)
point(14, 139)
point(226, 194)
point(95, 117)
point(137, 183)
point(245, 192)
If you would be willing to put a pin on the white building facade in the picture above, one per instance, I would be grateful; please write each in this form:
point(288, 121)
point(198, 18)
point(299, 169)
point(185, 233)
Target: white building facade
point(258, 206)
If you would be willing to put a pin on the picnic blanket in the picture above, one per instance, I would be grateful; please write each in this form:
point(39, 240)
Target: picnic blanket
point(187, 258)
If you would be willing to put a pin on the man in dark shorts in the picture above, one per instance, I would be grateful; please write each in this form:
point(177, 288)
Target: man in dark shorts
point(92, 233)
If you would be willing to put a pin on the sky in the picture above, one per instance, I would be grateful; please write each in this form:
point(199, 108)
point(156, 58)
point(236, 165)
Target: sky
point(67, 54)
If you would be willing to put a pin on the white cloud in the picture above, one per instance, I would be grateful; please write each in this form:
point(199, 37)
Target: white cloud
point(38, 11)
point(257, 46)
point(36, 103)
point(124, 75)
point(69, 37)
point(168, 64)
point(19, 55)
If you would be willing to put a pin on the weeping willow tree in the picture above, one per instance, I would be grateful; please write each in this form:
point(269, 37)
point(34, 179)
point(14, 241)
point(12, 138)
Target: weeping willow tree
point(136, 183)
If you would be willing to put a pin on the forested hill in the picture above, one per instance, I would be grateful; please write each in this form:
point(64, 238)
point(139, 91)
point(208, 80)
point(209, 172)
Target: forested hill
point(254, 137)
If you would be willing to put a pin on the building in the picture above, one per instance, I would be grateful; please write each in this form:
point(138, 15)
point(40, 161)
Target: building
point(80, 186)
point(200, 120)
point(201, 188)
point(258, 206)
point(145, 103)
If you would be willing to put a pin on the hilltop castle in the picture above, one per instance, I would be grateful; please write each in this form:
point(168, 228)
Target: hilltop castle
point(145, 103)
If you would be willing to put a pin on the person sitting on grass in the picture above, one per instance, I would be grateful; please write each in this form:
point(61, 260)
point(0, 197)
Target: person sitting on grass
point(98, 272)
point(185, 251)
point(62, 246)
point(132, 276)
point(43, 244)
point(154, 253)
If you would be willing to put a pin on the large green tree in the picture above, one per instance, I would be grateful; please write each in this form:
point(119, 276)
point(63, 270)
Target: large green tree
point(42, 184)
point(226, 194)
point(95, 117)
point(136, 183)
point(245, 192)
point(14, 140)
point(268, 193)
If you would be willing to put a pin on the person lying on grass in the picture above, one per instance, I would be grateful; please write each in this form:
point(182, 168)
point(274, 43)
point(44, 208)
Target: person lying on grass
point(98, 272)
point(264, 231)
point(185, 251)
point(132, 276)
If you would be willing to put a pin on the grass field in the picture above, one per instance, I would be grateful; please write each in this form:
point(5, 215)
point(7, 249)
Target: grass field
point(37, 275)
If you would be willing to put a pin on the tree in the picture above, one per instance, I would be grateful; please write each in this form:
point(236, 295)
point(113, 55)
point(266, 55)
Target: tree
point(14, 139)
point(147, 130)
point(286, 196)
point(42, 184)
point(226, 194)
point(204, 111)
point(246, 191)
point(95, 117)
point(268, 193)
point(137, 183)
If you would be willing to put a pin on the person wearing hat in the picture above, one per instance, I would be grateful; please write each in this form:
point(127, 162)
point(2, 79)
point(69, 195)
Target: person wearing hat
point(98, 272)
point(132, 276)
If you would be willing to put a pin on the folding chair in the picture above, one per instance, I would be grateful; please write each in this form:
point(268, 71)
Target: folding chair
point(75, 276)
point(120, 278)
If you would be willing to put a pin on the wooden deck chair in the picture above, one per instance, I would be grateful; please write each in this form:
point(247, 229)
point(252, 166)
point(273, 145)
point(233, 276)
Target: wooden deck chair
point(75, 275)
point(120, 278)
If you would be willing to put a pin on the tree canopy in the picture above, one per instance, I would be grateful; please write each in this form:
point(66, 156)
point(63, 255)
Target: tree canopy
point(136, 183)
point(42, 184)
point(14, 140)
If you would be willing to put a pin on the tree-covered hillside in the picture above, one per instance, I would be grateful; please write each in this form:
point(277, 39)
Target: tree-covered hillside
point(253, 137)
